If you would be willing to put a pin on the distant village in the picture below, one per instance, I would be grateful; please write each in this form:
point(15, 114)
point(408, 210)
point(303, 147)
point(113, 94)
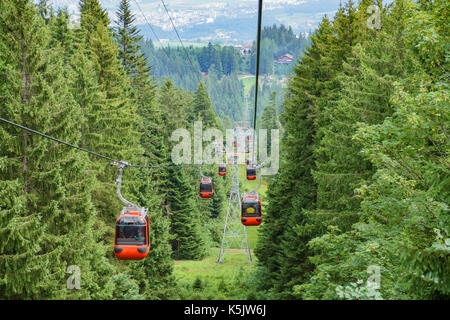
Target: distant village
point(246, 49)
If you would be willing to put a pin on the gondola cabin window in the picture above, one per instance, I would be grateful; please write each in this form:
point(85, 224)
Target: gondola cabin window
point(131, 230)
point(251, 173)
point(205, 187)
point(251, 208)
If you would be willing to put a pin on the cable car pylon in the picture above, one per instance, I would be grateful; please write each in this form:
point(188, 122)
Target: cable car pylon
point(234, 232)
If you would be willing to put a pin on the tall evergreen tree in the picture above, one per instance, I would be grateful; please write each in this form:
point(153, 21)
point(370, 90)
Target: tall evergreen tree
point(113, 130)
point(188, 242)
point(128, 38)
point(366, 82)
point(154, 274)
point(50, 182)
point(203, 109)
point(404, 209)
point(281, 248)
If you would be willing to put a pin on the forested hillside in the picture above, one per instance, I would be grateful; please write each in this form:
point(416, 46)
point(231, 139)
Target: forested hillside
point(221, 67)
point(91, 87)
point(364, 179)
point(357, 210)
point(275, 42)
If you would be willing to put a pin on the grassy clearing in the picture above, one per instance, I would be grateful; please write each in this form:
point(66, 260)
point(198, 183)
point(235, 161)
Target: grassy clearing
point(248, 83)
point(252, 234)
point(233, 260)
point(207, 279)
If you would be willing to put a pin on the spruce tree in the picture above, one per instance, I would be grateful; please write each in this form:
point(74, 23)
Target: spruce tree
point(49, 181)
point(203, 109)
point(185, 220)
point(114, 122)
point(293, 189)
point(127, 37)
point(376, 62)
point(154, 274)
point(405, 207)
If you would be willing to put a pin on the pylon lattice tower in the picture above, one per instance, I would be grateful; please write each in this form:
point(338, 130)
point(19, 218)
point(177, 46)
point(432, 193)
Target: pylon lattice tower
point(234, 232)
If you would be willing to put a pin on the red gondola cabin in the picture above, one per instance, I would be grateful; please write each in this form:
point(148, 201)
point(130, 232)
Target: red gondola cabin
point(222, 170)
point(251, 172)
point(251, 212)
point(206, 188)
point(132, 235)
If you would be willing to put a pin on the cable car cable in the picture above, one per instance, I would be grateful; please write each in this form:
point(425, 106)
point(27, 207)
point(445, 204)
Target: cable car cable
point(57, 140)
point(151, 28)
point(258, 48)
point(179, 38)
point(91, 152)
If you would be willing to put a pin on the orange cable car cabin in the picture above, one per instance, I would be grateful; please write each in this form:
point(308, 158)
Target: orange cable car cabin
point(251, 172)
point(251, 212)
point(222, 170)
point(206, 188)
point(132, 234)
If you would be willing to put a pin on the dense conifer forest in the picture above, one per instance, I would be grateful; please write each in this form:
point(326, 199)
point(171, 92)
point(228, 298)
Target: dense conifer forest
point(357, 210)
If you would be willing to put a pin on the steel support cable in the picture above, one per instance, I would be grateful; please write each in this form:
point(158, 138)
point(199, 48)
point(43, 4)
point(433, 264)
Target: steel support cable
point(188, 57)
point(151, 28)
point(91, 152)
point(178, 35)
point(258, 47)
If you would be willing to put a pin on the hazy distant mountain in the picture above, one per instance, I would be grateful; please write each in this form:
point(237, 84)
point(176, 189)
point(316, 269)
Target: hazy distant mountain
point(218, 21)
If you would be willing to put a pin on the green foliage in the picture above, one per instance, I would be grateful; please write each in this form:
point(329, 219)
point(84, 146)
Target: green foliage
point(364, 175)
point(154, 274)
point(377, 103)
point(275, 42)
point(207, 280)
point(203, 109)
point(57, 204)
point(266, 88)
point(270, 120)
point(221, 65)
point(293, 190)
point(185, 220)
point(124, 288)
point(227, 95)
point(49, 183)
point(128, 38)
